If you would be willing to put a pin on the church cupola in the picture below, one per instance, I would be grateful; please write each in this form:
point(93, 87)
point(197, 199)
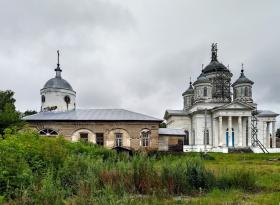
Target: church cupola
point(242, 88)
point(202, 88)
point(220, 77)
point(188, 96)
point(57, 94)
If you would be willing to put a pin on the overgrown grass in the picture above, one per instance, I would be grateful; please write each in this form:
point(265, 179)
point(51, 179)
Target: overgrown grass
point(36, 170)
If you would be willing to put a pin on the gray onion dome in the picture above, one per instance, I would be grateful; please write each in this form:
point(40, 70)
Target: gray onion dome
point(242, 79)
point(190, 90)
point(201, 79)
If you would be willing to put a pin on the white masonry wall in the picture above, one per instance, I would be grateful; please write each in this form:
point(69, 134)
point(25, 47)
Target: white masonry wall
point(55, 97)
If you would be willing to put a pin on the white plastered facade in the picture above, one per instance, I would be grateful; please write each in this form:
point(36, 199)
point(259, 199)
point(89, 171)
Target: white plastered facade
point(218, 125)
point(55, 97)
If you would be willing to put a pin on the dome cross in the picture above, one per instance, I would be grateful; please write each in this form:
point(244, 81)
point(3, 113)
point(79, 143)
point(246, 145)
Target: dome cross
point(58, 70)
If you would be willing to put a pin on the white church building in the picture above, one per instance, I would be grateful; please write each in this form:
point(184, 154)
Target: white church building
point(220, 116)
point(217, 116)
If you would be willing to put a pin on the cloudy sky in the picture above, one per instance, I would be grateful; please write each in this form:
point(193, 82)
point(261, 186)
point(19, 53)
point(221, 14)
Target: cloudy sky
point(136, 54)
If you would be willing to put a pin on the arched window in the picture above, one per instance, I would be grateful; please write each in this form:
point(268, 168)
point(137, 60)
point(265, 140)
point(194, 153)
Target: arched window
point(145, 136)
point(234, 93)
point(48, 132)
point(193, 136)
point(205, 91)
point(186, 138)
point(43, 98)
point(250, 92)
point(207, 140)
point(246, 92)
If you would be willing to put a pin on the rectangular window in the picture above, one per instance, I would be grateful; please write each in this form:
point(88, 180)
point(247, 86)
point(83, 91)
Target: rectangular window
point(119, 139)
point(84, 137)
point(145, 139)
point(100, 139)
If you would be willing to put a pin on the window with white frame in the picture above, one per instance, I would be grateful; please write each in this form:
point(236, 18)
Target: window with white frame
point(119, 139)
point(145, 138)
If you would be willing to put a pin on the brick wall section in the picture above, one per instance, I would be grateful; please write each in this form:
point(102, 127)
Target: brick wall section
point(133, 130)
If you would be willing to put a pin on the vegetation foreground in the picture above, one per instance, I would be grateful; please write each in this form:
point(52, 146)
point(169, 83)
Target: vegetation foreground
point(36, 170)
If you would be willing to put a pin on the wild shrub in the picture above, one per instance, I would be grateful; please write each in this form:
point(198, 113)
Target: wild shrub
point(50, 192)
point(236, 178)
point(174, 179)
point(198, 176)
point(187, 177)
point(145, 177)
point(73, 171)
point(41, 170)
point(92, 150)
point(15, 174)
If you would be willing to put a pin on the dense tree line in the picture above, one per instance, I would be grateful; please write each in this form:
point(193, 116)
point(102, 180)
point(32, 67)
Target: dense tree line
point(9, 116)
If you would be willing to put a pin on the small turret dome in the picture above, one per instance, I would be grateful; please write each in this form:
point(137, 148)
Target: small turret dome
point(57, 94)
point(242, 79)
point(201, 79)
point(242, 88)
point(188, 97)
point(189, 91)
point(58, 83)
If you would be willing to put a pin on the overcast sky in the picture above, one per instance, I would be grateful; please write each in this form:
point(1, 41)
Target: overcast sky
point(136, 54)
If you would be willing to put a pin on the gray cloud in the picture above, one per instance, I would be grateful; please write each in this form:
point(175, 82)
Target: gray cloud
point(137, 55)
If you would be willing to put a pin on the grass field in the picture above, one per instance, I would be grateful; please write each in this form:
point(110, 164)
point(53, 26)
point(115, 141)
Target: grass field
point(37, 170)
point(266, 168)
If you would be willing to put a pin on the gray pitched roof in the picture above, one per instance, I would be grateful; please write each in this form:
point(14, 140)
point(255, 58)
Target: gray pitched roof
point(175, 113)
point(91, 115)
point(171, 131)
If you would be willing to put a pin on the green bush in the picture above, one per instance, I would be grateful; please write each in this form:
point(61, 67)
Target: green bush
point(145, 176)
point(236, 178)
point(174, 179)
point(188, 177)
point(41, 170)
point(198, 176)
